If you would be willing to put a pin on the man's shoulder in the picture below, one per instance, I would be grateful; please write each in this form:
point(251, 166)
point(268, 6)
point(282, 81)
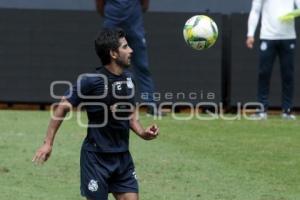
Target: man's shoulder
point(92, 77)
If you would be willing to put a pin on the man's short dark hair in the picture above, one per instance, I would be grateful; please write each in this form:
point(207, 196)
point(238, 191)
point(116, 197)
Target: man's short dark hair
point(107, 40)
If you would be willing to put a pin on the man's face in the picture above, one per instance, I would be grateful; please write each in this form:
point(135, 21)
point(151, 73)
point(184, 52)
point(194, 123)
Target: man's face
point(124, 53)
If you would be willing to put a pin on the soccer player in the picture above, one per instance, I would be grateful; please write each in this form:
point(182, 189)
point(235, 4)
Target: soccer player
point(276, 38)
point(106, 165)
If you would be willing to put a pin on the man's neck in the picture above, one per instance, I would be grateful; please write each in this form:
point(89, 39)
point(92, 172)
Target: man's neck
point(114, 69)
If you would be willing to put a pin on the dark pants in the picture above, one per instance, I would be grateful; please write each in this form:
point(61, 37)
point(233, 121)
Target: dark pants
point(133, 25)
point(269, 49)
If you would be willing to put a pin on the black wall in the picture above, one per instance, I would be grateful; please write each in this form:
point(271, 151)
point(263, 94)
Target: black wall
point(40, 46)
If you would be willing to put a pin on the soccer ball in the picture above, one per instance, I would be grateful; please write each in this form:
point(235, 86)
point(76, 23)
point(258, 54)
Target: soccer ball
point(200, 32)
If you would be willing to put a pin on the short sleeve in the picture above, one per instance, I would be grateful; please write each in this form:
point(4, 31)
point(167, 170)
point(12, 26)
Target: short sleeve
point(82, 87)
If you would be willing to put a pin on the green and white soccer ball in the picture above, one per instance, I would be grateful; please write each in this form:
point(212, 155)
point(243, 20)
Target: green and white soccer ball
point(200, 32)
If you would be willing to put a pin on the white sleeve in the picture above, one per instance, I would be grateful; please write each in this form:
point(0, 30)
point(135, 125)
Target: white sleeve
point(297, 2)
point(254, 16)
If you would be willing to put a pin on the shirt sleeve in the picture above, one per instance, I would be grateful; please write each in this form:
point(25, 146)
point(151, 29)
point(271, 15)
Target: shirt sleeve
point(254, 17)
point(81, 88)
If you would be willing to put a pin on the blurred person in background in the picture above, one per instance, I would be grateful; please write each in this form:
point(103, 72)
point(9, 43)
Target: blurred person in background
point(277, 38)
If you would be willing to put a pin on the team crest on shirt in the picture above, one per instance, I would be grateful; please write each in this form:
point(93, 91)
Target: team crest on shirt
point(129, 83)
point(93, 185)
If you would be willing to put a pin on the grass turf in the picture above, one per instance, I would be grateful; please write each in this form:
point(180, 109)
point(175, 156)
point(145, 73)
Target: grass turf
point(209, 160)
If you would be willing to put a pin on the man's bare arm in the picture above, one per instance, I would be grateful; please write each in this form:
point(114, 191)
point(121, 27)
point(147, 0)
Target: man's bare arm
point(44, 152)
point(151, 132)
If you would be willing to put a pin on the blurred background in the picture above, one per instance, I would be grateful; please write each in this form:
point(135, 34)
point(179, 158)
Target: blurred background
point(42, 41)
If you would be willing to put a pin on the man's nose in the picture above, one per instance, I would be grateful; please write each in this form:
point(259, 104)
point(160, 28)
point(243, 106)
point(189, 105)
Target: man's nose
point(130, 50)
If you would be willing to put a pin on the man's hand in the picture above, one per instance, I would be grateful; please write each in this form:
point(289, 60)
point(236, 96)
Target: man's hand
point(145, 5)
point(151, 132)
point(100, 7)
point(250, 42)
point(42, 154)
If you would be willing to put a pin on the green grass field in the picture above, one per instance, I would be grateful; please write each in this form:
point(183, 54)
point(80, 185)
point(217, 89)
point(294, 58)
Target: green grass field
point(205, 160)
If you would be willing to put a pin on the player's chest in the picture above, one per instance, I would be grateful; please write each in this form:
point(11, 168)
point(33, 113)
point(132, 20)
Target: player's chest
point(119, 90)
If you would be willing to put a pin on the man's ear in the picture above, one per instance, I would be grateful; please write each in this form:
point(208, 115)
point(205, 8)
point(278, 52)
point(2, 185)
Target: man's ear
point(113, 54)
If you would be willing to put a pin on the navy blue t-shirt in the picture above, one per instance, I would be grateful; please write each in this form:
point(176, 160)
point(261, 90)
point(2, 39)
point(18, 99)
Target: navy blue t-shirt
point(108, 100)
